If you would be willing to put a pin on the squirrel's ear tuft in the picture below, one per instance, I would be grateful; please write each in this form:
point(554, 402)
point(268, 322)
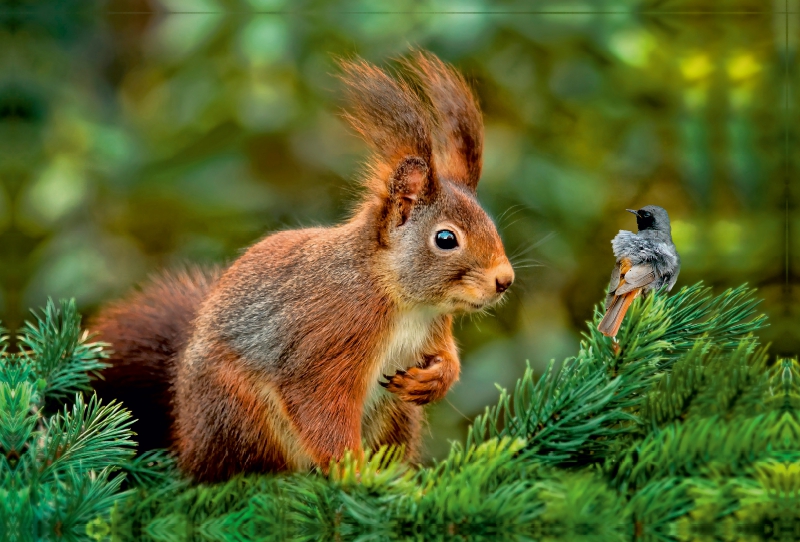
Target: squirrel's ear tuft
point(392, 119)
point(459, 138)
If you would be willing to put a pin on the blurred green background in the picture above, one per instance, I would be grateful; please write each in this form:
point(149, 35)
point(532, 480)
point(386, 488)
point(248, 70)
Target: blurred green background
point(140, 134)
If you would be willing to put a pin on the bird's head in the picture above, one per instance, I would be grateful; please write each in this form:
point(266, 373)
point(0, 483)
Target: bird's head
point(652, 217)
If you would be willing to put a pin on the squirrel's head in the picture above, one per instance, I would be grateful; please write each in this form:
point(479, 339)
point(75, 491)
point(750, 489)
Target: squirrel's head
point(435, 243)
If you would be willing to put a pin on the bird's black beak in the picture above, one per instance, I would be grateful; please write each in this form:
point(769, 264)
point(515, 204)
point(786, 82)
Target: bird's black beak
point(632, 211)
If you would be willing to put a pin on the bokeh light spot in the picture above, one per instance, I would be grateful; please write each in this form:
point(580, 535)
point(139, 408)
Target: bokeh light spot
point(743, 67)
point(696, 67)
point(59, 189)
point(632, 46)
point(264, 40)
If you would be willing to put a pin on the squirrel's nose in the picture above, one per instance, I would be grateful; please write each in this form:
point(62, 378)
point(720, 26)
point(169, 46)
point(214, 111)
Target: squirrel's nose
point(503, 276)
point(502, 282)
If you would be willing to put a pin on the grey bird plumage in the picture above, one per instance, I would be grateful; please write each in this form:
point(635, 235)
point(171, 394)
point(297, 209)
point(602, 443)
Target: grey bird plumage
point(646, 261)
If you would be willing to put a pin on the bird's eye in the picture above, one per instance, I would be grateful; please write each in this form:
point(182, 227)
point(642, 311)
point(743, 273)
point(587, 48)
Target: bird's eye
point(446, 240)
point(646, 214)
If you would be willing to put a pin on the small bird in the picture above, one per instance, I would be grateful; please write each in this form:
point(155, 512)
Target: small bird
point(646, 261)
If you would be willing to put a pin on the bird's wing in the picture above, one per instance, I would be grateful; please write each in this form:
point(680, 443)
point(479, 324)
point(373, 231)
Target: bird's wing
point(637, 276)
point(618, 274)
point(617, 280)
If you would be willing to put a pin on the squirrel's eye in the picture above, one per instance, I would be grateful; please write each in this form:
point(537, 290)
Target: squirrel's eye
point(446, 240)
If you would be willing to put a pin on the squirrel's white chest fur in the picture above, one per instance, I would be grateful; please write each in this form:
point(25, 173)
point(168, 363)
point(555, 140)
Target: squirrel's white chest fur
point(403, 349)
point(410, 332)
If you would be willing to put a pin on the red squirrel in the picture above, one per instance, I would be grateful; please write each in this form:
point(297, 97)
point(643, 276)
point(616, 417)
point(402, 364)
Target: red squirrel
point(317, 340)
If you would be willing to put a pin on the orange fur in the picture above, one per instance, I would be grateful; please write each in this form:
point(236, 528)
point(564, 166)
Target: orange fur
point(459, 147)
point(275, 363)
point(395, 423)
point(262, 437)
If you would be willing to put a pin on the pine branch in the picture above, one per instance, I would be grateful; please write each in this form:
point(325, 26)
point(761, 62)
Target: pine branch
point(57, 472)
point(693, 385)
point(678, 321)
point(92, 435)
point(18, 418)
point(151, 468)
point(59, 351)
point(574, 413)
point(78, 498)
point(563, 412)
point(685, 429)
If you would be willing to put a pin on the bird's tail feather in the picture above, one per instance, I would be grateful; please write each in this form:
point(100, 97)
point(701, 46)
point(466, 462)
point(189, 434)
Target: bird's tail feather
point(609, 325)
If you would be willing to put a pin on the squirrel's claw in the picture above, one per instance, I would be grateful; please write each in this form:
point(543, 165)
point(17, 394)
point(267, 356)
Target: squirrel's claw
point(422, 385)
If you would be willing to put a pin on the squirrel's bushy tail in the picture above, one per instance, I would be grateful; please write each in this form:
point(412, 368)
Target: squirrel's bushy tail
point(146, 331)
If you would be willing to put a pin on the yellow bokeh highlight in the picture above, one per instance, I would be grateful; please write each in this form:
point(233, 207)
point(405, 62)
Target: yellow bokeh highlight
point(696, 67)
point(743, 67)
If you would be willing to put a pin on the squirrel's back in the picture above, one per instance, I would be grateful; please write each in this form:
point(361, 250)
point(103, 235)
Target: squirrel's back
point(146, 331)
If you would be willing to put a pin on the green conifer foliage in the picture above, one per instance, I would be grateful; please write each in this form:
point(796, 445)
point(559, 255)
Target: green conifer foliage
point(59, 463)
point(688, 430)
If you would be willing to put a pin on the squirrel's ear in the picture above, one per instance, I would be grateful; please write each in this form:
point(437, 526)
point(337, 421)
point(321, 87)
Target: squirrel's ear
point(410, 182)
point(392, 119)
point(458, 141)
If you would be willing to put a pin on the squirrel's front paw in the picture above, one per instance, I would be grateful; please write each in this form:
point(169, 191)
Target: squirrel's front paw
point(422, 385)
